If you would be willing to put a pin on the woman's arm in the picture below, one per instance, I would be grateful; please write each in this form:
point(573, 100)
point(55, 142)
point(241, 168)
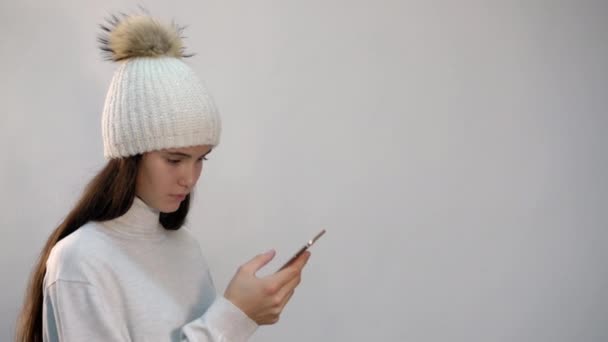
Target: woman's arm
point(222, 322)
point(74, 311)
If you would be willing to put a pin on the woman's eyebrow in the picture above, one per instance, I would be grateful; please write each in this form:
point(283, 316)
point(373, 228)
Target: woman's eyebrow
point(181, 154)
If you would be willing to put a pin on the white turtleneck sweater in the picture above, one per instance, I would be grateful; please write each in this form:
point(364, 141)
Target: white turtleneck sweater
point(129, 279)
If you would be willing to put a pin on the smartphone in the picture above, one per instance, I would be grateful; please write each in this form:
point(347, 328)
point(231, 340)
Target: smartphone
point(303, 249)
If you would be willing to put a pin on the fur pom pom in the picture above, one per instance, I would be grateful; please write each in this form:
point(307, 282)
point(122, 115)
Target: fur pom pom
point(128, 36)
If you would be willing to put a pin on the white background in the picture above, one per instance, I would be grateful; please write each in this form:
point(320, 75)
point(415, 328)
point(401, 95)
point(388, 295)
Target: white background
point(456, 153)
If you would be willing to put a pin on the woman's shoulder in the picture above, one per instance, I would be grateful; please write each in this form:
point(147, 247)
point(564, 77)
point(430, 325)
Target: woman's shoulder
point(75, 256)
point(82, 243)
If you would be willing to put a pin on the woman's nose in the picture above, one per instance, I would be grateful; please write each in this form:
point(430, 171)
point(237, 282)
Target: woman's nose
point(186, 180)
point(188, 176)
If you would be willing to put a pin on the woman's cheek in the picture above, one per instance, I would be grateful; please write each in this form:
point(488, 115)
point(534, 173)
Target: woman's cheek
point(199, 171)
point(168, 175)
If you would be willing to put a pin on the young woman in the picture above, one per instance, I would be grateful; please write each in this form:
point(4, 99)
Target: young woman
point(121, 266)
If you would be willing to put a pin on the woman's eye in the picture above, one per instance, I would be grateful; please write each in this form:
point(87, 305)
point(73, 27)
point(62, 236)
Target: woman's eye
point(203, 158)
point(173, 161)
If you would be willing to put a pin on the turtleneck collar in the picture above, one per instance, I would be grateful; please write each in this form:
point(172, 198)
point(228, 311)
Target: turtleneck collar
point(140, 220)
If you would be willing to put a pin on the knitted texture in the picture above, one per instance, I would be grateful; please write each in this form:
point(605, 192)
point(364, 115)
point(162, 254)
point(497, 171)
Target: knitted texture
point(155, 103)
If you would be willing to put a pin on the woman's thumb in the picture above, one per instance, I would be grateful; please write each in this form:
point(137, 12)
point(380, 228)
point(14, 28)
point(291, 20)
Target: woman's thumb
point(259, 261)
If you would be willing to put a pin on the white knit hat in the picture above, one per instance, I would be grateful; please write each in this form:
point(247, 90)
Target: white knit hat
point(155, 100)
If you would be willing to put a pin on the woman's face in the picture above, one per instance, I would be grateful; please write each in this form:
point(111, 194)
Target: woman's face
point(165, 177)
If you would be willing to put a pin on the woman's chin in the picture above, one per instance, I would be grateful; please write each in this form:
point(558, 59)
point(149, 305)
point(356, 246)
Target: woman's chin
point(169, 208)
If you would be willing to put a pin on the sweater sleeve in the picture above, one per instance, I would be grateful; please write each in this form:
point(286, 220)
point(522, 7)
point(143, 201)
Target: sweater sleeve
point(75, 311)
point(222, 322)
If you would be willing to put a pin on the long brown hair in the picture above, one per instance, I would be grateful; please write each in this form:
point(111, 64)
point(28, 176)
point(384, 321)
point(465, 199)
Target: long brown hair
point(107, 196)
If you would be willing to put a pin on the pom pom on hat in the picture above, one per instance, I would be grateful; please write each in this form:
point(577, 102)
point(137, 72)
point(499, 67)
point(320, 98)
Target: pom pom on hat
point(140, 36)
point(155, 100)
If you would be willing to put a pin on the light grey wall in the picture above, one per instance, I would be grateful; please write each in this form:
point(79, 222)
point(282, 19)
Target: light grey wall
point(456, 152)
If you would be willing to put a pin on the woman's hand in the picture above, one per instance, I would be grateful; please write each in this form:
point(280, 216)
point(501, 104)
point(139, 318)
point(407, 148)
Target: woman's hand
point(263, 299)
